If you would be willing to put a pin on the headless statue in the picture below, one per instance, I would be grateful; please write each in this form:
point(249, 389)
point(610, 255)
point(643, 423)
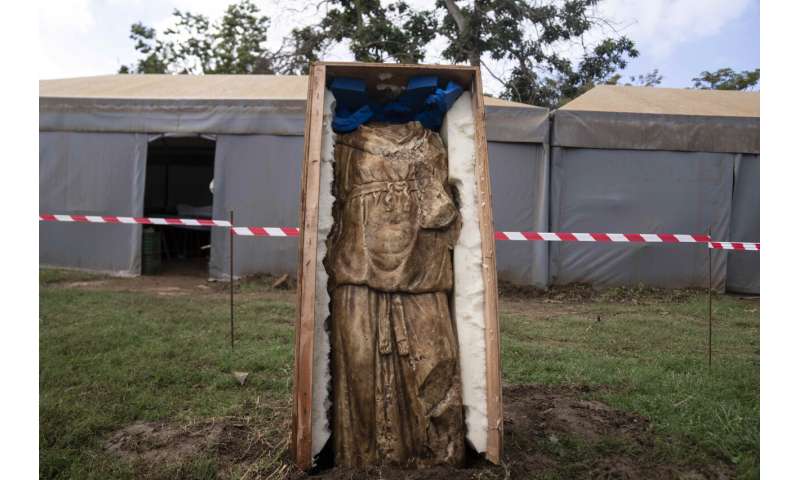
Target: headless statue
point(396, 380)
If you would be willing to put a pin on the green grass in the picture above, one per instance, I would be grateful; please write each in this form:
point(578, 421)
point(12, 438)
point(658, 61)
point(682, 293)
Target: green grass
point(110, 358)
point(50, 276)
point(654, 359)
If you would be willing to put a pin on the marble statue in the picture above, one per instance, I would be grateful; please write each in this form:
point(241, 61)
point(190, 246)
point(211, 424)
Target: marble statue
point(395, 364)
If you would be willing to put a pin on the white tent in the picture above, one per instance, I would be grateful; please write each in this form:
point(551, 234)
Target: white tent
point(656, 160)
point(95, 134)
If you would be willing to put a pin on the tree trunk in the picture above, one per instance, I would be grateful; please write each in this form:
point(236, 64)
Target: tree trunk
point(475, 32)
point(463, 30)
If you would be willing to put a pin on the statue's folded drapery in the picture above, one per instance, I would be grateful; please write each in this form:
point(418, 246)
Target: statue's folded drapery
point(396, 379)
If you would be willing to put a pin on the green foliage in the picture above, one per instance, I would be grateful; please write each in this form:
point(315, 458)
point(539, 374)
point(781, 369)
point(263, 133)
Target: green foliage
point(237, 43)
point(527, 35)
point(649, 79)
point(152, 50)
point(302, 48)
point(377, 33)
point(530, 37)
point(193, 44)
point(728, 79)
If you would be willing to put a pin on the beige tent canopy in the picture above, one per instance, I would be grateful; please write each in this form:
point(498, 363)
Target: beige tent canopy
point(173, 87)
point(643, 159)
point(242, 104)
point(196, 87)
point(667, 101)
point(646, 118)
point(96, 132)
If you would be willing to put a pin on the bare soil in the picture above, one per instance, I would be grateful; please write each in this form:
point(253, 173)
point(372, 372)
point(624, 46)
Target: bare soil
point(182, 282)
point(156, 448)
point(558, 300)
point(544, 428)
point(579, 293)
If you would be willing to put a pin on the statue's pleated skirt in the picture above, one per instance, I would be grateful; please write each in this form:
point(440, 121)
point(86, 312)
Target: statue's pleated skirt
point(397, 388)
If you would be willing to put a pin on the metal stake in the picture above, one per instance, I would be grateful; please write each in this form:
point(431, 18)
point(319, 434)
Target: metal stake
point(231, 274)
point(708, 247)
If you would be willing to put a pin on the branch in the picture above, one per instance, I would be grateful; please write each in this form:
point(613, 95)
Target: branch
point(505, 83)
point(458, 16)
point(484, 65)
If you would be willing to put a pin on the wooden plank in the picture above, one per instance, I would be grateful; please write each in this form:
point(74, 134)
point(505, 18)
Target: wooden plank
point(374, 73)
point(494, 391)
point(304, 330)
point(467, 77)
point(333, 67)
point(295, 404)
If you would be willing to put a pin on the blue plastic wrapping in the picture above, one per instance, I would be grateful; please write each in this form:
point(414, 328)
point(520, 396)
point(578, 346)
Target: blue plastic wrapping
point(350, 93)
point(444, 99)
point(437, 105)
point(418, 90)
point(396, 112)
point(346, 121)
point(422, 101)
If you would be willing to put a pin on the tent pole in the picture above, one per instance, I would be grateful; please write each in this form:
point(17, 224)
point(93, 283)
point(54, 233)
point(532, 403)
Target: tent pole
point(231, 274)
point(708, 248)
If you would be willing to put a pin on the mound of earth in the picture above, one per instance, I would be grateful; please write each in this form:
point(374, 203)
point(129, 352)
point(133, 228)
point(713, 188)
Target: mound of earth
point(550, 432)
point(158, 450)
point(553, 432)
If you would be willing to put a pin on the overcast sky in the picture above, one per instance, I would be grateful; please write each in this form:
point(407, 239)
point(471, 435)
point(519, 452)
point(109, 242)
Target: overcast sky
point(679, 37)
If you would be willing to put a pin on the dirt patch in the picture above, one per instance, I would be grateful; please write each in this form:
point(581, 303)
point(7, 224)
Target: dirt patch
point(161, 443)
point(177, 285)
point(582, 293)
point(555, 432)
point(159, 449)
point(562, 299)
point(574, 437)
point(87, 284)
point(540, 310)
point(550, 432)
point(167, 285)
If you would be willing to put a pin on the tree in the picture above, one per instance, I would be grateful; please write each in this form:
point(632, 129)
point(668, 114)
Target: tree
point(298, 51)
point(377, 33)
point(530, 35)
point(235, 44)
point(728, 79)
point(649, 79)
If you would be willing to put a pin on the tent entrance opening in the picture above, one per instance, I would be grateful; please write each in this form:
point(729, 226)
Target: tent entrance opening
point(178, 184)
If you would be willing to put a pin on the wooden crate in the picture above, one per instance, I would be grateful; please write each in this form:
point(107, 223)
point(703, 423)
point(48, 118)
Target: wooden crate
point(470, 79)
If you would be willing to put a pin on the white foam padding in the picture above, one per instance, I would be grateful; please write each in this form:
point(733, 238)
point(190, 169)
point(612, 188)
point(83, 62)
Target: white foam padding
point(458, 133)
point(320, 397)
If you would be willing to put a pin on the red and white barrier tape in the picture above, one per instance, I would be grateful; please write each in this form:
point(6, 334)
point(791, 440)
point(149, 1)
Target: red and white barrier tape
point(751, 246)
point(195, 222)
point(267, 231)
point(518, 236)
point(602, 237)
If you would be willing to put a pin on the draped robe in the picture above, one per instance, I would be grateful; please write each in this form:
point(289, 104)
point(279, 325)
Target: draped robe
point(396, 376)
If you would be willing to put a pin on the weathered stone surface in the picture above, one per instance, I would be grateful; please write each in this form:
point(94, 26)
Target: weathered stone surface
point(396, 379)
